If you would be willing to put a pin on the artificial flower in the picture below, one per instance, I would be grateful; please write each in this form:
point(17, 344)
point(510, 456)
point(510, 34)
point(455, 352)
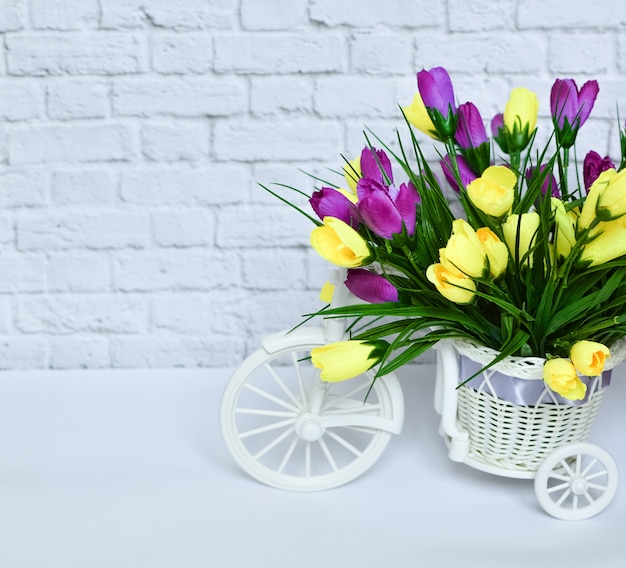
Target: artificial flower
point(370, 286)
point(329, 202)
point(498, 132)
point(437, 93)
point(496, 251)
point(340, 244)
point(352, 173)
point(549, 185)
point(385, 209)
point(608, 243)
point(471, 137)
point(565, 233)
point(344, 360)
point(520, 118)
point(375, 164)
point(593, 166)
point(417, 115)
point(611, 202)
point(464, 251)
point(451, 284)
point(588, 213)
point(465, 172)
point(570, 108)
point(493, 192)
point(520, 234)
point(560, 376)
point(589, 357)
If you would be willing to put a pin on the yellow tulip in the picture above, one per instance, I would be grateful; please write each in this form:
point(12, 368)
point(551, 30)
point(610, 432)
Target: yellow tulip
point(464, 252)
point(352, 173)
point(451, 284)
point(417, 115)
point(565, 237)
point(612, 199)
point(497, 251)
point(609, 243)
point(340, 244)
point(588, 212)
point(528, 224)
point(589, 357)
point(560, 376)
point(494, 191)
point(520, 116)
point(344, 360)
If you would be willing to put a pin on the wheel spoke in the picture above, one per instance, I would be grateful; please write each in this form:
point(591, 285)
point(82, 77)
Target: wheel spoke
point(261, 412)
point(296, 365)
point(330, 402)
point(597, 486)
point(340, 440)
point(589, 467)
point(287, 455)
point(361, 408)
point(556, 488)
point(597, 474)
point(565, 495)
point(274, 443)
point(328, 455)
point(271, 397)
point(282, 385)
point(307, 459)
point(266, 428)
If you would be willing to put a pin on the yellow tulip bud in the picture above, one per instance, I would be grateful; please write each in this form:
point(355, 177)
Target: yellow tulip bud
point(565, 237)
point(560, 376)
point(589, 357)
point(528, 224)
point(609, 243)
point(417, 115)
point(497, 251)
point(451, 284)
point(588, 213)
point(520, 117)
point(352, 173)
point(464, 252)
point(345, 359)
point(340, 244)
point(493, 192)
point(612, 199)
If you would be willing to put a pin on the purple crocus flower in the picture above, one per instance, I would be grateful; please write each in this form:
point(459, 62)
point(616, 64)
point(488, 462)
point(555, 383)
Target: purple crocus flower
point(328, 202)
point(466, 173)
point(593, 166)
point(371, 287)
point(375, 164)
point(499, 132)
point(385, 209)
point(435, 88)
point(470, 130)
point(570, 107)
point(549, 184)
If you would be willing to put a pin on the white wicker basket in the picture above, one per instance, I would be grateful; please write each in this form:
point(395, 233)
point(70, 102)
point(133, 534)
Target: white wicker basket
point(517, 437)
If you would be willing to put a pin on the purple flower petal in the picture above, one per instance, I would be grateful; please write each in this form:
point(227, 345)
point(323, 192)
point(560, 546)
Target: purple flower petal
point(370, 286)
point(435, 87)
point(466, 173)
point(593, 166)
point(380, 214)
point(372, 160)
point(470, 131)
point(586, 99)
point(406, 203)
point(328, 202)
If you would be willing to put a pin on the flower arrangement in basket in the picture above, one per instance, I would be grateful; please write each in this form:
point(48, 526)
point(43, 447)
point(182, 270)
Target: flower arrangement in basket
point(534, 266)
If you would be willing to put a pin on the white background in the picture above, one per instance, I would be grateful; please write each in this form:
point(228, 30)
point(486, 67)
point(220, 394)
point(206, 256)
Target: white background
point(117, 469)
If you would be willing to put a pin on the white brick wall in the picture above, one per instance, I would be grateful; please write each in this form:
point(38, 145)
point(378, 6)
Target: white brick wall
point(133, 132)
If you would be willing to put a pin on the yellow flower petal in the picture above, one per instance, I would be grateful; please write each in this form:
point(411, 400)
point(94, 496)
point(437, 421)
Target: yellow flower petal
point(589, 357)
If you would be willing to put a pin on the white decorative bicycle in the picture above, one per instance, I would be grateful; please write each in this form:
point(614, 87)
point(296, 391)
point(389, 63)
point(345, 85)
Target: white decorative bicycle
point(287, 428)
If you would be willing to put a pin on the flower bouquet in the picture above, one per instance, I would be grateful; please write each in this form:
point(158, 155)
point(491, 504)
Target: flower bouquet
point(533, 266)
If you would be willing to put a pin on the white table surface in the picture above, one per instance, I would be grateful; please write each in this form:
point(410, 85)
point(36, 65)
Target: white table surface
point(127, 469)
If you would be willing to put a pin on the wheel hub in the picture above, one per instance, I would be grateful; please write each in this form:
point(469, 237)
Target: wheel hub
point(579, 485)
point(309, 427)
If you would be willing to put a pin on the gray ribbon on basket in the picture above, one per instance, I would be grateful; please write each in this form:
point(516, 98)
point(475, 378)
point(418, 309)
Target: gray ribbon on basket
point(523, 392)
